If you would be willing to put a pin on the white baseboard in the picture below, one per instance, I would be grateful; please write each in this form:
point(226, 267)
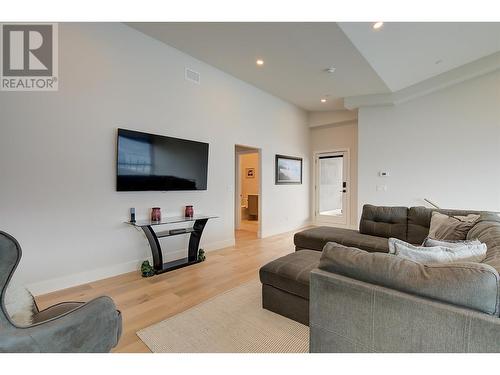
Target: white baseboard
point(68, 281)
point(297, 226)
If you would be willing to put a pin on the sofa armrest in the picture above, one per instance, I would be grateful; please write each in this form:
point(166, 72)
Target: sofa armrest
point(348, 315)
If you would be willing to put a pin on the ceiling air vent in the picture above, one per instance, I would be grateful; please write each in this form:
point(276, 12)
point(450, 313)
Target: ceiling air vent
point(192, 76)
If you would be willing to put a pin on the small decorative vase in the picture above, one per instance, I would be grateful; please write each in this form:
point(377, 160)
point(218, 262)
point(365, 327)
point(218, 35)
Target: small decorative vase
point(189, 212)
point(155, 214)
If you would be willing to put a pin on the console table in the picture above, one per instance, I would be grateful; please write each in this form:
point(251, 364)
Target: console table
point(195, 230)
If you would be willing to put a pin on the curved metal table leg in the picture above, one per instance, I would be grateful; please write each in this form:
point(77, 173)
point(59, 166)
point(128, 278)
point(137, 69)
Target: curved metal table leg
point(194, 239)
point(154, 244)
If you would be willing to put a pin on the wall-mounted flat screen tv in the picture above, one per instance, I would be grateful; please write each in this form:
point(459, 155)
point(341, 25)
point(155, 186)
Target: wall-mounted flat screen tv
point(155, 162)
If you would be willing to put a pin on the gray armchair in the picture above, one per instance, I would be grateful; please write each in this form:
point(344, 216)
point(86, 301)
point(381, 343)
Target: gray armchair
point(94, 326)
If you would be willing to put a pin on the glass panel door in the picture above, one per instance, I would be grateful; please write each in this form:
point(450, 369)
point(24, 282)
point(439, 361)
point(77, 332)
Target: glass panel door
point(331, 188)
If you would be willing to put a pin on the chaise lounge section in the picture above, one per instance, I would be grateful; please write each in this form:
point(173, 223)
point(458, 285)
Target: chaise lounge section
point(285, 284)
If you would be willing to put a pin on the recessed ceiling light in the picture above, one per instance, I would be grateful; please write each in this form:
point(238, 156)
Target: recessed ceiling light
point(323, 100)
point(437, 62)
point(377, 25)
point(260, 62)
point(330, 69)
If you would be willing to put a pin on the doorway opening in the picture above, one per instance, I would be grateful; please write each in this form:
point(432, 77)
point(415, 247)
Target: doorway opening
point(247, 192)
point(331, 187)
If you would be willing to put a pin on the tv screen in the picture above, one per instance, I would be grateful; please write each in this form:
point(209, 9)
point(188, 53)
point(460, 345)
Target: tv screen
point(154, 162)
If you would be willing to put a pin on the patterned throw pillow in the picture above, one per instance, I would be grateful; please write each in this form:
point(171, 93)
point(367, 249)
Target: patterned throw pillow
point(429, 242)
point(438, 253)
point(444, 227)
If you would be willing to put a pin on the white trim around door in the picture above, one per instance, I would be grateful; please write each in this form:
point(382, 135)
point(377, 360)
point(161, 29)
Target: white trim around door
point(341, 218)
point(240, 150)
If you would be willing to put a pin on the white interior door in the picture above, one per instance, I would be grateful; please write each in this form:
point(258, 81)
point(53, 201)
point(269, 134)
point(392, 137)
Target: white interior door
point(332, 188)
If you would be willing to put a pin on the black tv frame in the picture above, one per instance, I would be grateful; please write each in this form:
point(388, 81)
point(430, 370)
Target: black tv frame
point(161, 180)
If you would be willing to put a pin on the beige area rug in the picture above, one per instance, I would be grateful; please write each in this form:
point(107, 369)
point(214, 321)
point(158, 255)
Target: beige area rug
point(232, 322)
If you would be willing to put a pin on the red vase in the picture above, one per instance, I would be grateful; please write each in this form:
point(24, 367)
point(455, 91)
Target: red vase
point(189, 212)
point(155, 214)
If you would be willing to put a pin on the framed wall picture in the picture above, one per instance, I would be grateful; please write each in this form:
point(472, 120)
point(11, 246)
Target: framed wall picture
point(250, 172)
point(288, 170)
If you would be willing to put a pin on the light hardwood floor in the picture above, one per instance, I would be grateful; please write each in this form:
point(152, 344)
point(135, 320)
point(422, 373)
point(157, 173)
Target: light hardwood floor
point(249, 225)
point(145, 301)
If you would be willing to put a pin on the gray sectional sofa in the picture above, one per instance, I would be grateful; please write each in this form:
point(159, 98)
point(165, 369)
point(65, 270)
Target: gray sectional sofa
point(367, 300)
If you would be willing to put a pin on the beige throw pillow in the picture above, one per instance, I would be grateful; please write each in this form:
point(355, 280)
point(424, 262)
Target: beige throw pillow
point(444, 227)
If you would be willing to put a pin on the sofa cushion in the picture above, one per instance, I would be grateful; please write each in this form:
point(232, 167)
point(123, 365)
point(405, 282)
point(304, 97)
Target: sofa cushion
point(290, 273)
point(487, 230)
point(419, 221)
point(471, 285)
point(384, 221)
point(316, 238)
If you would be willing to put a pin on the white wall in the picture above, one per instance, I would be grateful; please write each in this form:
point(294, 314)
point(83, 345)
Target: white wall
point(444, 146)
point(342, 136)
point(57, 154)
point(337, 117)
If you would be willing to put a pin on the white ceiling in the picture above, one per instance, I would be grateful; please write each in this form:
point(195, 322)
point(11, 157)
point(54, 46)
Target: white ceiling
point(297, 54)
point(406, 53)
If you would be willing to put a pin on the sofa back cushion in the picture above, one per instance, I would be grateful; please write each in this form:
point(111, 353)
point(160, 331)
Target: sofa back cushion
point(487, 230)
point(419, 221)
point(384, 221)
point(471, 285)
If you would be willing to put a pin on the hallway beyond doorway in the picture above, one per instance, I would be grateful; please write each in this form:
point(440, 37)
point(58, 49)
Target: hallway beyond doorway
point(247, 190)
